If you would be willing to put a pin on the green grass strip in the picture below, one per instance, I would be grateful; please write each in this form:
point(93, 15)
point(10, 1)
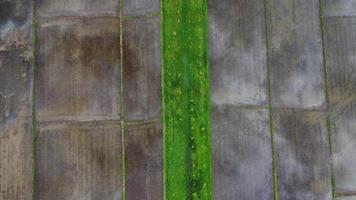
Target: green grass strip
point(270, 105)
point(122, 103)
point(186, 101)
point(327, 96)
point(33, 103)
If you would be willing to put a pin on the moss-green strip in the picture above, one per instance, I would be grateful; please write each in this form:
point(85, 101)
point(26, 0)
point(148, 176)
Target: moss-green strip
point(122, 107)
point(270, 106)
point(186, 114)
point(33, 103)
point(327, 99)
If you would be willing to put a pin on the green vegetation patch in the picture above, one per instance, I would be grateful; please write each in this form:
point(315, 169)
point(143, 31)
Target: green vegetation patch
point(186, 101)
